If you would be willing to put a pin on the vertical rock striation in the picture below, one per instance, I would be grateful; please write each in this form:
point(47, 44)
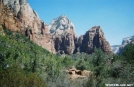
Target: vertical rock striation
point(63, 30)
point(93, 38)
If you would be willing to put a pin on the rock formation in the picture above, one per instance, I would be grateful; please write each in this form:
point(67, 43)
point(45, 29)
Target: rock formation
point(93, 38)
point(62, 25)
point(118, 49)
point(17, 15)
point(63, 30)
point(75, 74)
point(59, 37)
point(125, 42)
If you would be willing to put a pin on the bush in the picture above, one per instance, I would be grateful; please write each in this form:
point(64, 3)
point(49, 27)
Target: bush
point(81, 65)
point(67, 62)
point(16, 77)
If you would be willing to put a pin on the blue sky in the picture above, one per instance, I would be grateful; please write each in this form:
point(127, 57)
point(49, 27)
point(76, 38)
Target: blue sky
point(116, 17)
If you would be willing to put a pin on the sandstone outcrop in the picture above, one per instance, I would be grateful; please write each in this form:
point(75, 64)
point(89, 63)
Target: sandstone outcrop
point(59, 37)
point(93, 38)
point(74, 73)
point(17, 15)
point(64, 44)
point(63, 30)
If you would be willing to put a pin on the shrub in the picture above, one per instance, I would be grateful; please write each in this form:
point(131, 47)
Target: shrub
point(16, 77)
point(81, 65)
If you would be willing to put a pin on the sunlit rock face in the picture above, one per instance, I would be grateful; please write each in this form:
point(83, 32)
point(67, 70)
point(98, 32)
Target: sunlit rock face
point(19, 16)
point(93, 38)
point(64, 31)
point(62, 25)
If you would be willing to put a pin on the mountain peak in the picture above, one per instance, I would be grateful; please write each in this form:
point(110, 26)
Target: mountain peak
point(63, 16)
point(61, 25)
point(93, 38)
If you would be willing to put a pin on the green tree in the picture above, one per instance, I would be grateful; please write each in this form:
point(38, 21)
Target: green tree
point(128, 53)
point(81, 65)
point(67, 61)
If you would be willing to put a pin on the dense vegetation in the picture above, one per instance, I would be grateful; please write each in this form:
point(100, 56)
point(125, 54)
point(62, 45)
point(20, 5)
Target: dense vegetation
point(18, 50)
point(25, 64)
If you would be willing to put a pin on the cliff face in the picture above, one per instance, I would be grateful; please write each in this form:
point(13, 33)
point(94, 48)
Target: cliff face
point(62, 25)
point(93, 38)
point(59, 37)
point(64, 44)
point(64, 31)
point(17, 15)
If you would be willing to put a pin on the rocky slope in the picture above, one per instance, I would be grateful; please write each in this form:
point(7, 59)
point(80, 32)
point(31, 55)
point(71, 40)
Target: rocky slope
point(93, 38)
point(17, 15)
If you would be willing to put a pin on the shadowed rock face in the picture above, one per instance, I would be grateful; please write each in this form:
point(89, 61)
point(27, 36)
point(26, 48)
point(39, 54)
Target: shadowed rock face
point(64, 44)
point(93, 38)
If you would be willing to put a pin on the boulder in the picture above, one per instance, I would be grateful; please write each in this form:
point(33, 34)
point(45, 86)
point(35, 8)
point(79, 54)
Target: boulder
point(86, 73)
point(74, 73)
